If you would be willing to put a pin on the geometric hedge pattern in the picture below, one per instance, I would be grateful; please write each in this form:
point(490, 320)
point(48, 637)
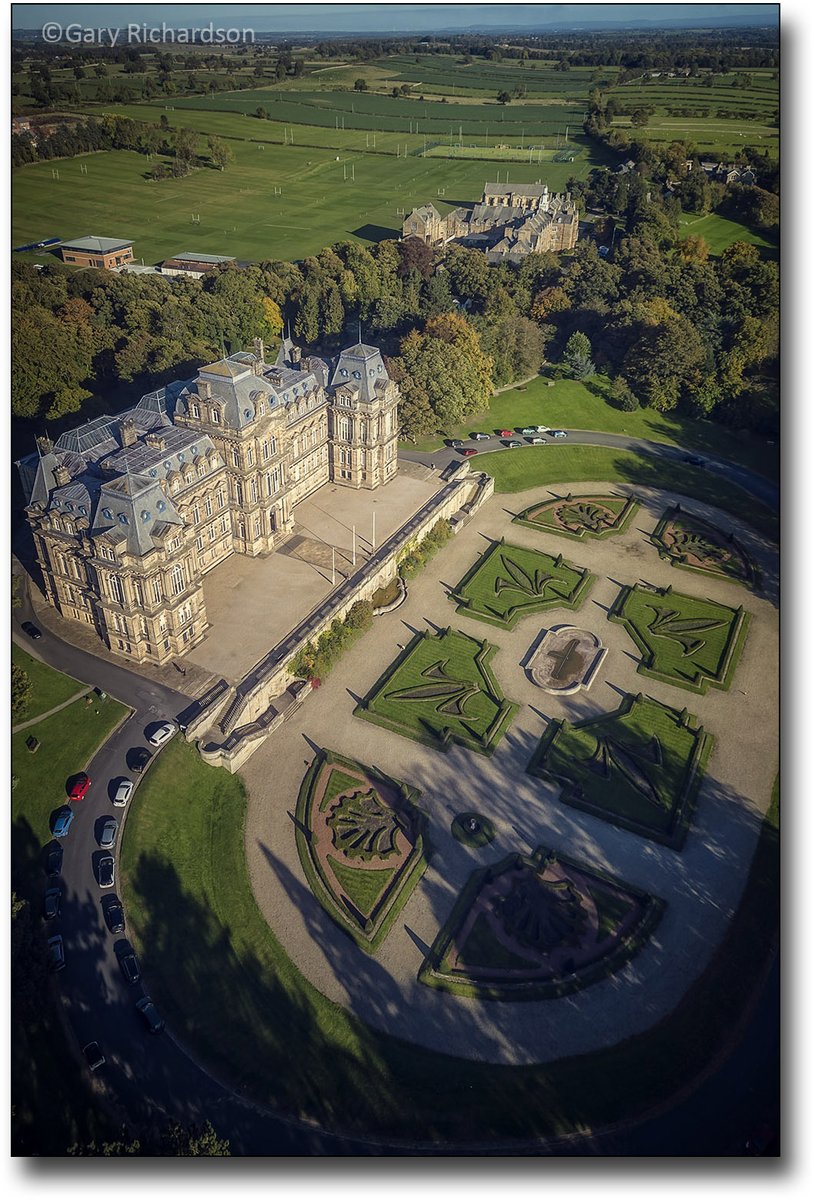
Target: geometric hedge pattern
point(509, 582)
point(581, 517)
point(695, 545)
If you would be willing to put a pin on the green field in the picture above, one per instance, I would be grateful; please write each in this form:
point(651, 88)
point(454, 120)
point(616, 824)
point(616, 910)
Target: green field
point(575, 405)
point(240, 211)
point(721, 232)
point(48, 688)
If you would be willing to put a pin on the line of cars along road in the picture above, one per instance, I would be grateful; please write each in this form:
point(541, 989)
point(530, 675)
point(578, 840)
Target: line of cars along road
point(106, 832)
point(509, 438)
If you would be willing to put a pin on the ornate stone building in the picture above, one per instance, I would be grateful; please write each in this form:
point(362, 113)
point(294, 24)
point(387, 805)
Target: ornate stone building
point(510, 221)
point(129, 513)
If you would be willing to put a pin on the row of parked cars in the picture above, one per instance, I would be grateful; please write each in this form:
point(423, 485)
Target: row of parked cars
point(532, 433)
point(106, 834)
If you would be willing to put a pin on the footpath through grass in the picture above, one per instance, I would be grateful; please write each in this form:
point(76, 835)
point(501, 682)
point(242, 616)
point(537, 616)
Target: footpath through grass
point(230, 992)
point(571, 404)
point(541, 466)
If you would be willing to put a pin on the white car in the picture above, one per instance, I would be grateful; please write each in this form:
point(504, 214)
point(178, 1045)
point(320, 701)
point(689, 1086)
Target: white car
point(162, 734)
point(542, 428)
point(124, 791)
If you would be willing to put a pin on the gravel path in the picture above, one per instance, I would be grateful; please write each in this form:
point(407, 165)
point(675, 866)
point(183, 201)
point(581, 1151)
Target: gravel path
point(702, 884)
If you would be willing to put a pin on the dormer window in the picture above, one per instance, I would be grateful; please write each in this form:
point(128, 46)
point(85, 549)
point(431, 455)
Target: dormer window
point(168, 466)
point(83, 510)
point(161, 505)
point(145, 514)
point(247, 412)
point(153, 472)
point(69, 506)
point(107, 514)
point(195, 411)
point(343, 372)
point(216, 417)
point(123, 519)
point(357, 375)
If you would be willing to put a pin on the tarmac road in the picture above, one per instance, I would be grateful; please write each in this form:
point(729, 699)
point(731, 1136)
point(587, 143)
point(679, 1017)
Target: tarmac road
point(760, 487)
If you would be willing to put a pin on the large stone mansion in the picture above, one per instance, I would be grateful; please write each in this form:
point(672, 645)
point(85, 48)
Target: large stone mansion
point(129, 513)
point(510, 222)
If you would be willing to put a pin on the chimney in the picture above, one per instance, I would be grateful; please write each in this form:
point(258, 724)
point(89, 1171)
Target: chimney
point(259, 352)
point(62, 476)
point(128, 431)
point(204, 389)
point(155, 441)
point(45, 444)
point(294, 357)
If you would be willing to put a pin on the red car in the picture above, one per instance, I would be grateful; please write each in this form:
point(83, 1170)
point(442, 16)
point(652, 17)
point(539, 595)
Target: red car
point(507, 433)
point(468, 453)
point(79, 788)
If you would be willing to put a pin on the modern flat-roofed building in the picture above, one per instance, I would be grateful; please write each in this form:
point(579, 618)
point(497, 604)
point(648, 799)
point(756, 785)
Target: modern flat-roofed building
point(195, 265)
point(97, 252)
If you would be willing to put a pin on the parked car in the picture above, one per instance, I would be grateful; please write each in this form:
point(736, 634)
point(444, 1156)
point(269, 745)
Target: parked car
point(557, 433)
point(56, 953)
point(455, 442)
point(470, 452)
point(149, 1012)
point(163, 734)
point(694, 460)
point(106, 871)
point(62, 821)
point(107, 833)
point(79, 788)
point(124, 790)
point(31, 629)
point(529, 431)
point(507, 433)
point(512, 443)
point(128, 962)
point(52, 902)
point(53, 859)
point(140, 758)
point(480, 437)
point(536, 441)
point(542, 428)
point(93, 1055)
point(114, 914)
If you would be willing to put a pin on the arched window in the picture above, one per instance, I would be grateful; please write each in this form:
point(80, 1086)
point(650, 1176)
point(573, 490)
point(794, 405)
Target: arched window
point(177, 579)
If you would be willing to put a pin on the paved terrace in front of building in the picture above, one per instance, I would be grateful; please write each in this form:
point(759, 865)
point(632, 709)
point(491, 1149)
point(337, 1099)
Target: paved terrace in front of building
point(252, 603)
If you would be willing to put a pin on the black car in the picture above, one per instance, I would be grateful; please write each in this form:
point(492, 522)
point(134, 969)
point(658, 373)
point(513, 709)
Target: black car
point(93, 1055)
point(53, 859)
point(128, 962)
point(32, 630)
point(140, 758)
point(114, 914)
point(149, 1012)
point(51, 903)
point(694, 460)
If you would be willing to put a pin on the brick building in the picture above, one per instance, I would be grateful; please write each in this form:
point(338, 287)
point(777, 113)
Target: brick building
point(97, 252)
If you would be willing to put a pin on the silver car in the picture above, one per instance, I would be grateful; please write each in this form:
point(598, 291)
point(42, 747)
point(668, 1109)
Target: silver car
point(107, 834)
point(162, 734)
point(124, 791)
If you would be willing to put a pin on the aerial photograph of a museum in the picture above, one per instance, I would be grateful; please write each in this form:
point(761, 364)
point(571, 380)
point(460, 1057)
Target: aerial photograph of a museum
point(394, 519)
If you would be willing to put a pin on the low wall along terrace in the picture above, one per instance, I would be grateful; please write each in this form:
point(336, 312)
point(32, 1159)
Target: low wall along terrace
point(234, 725)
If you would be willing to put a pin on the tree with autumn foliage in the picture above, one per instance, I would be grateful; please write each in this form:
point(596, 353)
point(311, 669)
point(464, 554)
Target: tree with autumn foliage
point(446, 375)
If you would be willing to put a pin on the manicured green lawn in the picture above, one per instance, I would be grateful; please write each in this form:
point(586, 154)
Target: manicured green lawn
point(581, 517)
point(441, 690)
point(720, 232)
point(68, 741)
point(509, 582)
point(48, 688)
point(540, 466)
point(685, 640)
point(571, 404)
point(229, 991)
point(639, 767)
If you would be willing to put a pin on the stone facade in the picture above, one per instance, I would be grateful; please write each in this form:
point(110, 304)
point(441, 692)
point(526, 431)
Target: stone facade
point(509, 222)
point(129, 513)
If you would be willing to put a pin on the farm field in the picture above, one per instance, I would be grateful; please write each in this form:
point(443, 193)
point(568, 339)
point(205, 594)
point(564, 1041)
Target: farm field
point(240, 211)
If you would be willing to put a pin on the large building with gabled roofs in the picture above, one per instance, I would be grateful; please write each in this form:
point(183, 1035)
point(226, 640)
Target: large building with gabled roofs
point(129, 513)
point(510, 221)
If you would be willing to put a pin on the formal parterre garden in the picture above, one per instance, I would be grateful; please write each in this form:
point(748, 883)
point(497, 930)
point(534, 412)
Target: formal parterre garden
point(536, 926)
point(441, 691)
point(688, 641)
point(581, 517)
point(360, 841)
point(690, 542)
point(639, 767)
point(510, 582)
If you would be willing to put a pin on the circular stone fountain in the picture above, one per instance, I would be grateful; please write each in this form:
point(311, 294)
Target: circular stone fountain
point(566, 660)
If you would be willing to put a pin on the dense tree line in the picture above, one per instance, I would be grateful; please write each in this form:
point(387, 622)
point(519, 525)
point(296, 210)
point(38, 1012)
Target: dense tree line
point(683, 331)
